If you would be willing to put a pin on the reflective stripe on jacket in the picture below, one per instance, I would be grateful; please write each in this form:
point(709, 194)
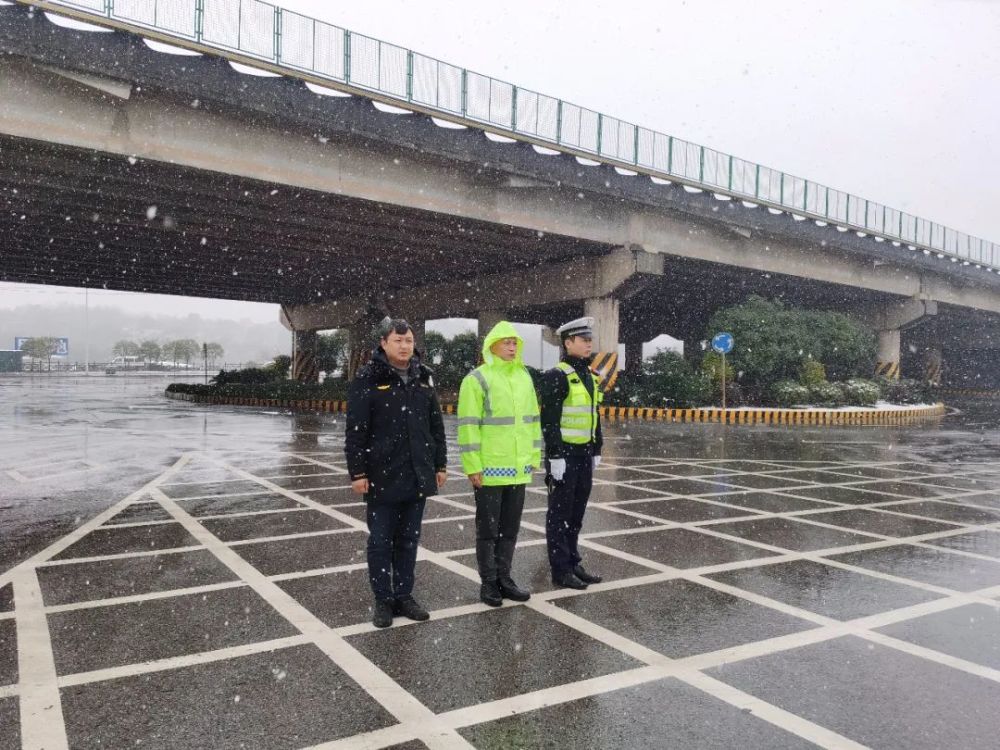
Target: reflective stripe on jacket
point(499, 426)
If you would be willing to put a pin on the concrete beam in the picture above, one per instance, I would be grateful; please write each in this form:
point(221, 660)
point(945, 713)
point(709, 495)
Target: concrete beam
point(619, 273)
point(41, 105)
point(112, 86)
point(902, 315)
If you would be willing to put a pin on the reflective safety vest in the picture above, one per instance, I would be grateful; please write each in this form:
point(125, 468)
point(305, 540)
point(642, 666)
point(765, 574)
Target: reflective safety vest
point(499, 427)
point(578, 423)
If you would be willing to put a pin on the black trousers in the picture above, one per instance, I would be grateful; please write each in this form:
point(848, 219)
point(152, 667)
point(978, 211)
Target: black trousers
point(567, 505)
point(498, 519)
point(394, 533)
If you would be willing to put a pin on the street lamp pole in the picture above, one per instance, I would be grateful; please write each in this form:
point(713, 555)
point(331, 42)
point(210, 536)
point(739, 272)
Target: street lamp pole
point(86, 330)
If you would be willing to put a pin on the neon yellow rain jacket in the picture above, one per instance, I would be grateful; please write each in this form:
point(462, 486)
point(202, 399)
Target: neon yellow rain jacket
point(499, 428)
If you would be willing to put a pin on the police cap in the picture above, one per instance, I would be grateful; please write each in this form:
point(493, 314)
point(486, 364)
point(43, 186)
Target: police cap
point(578, 327)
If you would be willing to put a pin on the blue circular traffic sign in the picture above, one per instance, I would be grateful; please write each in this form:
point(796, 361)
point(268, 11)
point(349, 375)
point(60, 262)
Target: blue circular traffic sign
point(722, 343)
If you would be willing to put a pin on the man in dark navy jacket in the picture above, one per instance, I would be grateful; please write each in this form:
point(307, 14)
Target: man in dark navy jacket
point(397, 458)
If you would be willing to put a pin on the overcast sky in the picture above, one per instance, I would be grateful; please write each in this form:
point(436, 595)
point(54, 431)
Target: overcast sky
point(893, 100)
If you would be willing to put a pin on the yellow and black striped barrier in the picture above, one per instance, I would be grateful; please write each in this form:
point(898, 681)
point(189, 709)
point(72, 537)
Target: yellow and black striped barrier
point(769, 416)
point(605, 366)
point(305, 367)
point(757, 415)
point(932, 372)
point(888, 370)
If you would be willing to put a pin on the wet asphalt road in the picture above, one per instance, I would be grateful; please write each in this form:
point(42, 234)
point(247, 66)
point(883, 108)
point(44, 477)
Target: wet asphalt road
point(201, 574)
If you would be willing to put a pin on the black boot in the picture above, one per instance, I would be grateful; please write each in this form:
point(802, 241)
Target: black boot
point(489, 594)
point(407, 607)
point(568, 580)
point(486, 551)
point(382, 613)
point(586, 577)
point(510, 590)
point(504, 557)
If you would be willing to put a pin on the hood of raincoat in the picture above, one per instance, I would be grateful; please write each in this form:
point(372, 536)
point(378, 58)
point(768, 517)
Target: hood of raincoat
point(502, 330)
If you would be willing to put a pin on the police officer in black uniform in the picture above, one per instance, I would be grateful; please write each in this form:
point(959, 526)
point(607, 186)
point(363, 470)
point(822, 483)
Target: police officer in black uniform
point(571, 427)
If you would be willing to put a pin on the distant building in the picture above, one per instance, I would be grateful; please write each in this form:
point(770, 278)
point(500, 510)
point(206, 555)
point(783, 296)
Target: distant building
point(11, 361)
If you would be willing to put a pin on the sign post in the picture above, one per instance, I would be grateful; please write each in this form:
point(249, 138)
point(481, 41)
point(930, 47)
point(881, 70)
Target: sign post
point(204, 356)
point(723, 344)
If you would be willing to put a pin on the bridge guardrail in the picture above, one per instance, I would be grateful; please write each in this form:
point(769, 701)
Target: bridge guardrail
point(296, 43)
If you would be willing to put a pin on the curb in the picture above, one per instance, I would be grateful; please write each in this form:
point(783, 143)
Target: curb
point(763, 415)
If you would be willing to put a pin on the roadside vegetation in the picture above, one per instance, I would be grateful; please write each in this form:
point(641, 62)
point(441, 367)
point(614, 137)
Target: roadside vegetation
point(784, 357)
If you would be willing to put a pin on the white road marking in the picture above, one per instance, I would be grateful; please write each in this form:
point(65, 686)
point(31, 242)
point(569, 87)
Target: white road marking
point(42, 724)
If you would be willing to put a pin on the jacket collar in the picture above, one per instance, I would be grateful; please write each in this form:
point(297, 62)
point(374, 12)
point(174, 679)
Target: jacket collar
point(580, 364)
point(381, 362)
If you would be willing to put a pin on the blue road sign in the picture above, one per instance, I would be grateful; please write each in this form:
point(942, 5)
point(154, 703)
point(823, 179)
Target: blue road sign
point(722, 343)
point(62, 345)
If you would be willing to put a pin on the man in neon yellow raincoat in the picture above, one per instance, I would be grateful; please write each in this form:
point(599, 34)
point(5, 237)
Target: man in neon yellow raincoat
point(500, 440)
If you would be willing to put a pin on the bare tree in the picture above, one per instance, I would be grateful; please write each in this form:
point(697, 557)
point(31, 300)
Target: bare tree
point(150, 351)
point(187, 349)
point(215, 352)
point(41, 347)
point(125, 348)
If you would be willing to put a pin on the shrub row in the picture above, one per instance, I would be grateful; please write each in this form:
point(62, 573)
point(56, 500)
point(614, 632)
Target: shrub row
point(333, 389)
point(855, 392)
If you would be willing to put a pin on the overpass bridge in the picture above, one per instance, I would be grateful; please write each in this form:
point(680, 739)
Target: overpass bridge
point(232, 149)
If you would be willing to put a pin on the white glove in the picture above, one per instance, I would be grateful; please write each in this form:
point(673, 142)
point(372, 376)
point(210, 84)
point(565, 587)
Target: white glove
point(597, 461)
point(557, 468)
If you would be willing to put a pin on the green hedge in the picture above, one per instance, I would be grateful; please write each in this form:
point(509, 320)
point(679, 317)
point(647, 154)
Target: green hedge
point(774, 342)
point(666, 381)
point(855, 392)
point(788, 393)
point(828, 395)
point(333, 389)
point(905, 391)
point(860, 392)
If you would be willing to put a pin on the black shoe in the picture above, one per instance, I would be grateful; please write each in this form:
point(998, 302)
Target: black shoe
point(489, 593)
point(382, 616)
point(510, 590)
point(407, 607)
point(584, 576)
point(568, 581)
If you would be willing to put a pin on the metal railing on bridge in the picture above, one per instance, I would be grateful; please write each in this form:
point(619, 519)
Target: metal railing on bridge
point(295, 44)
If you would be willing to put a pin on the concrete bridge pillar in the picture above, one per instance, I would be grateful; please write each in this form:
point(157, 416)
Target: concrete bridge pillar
point(605, 312)
point(887, 361)
point(889, 322)
point(304, 367)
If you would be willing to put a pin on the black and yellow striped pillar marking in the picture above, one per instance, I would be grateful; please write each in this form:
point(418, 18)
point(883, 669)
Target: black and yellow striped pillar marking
point(933, 371)
point(304, 367)
point(887, 370)
point(605, 366)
